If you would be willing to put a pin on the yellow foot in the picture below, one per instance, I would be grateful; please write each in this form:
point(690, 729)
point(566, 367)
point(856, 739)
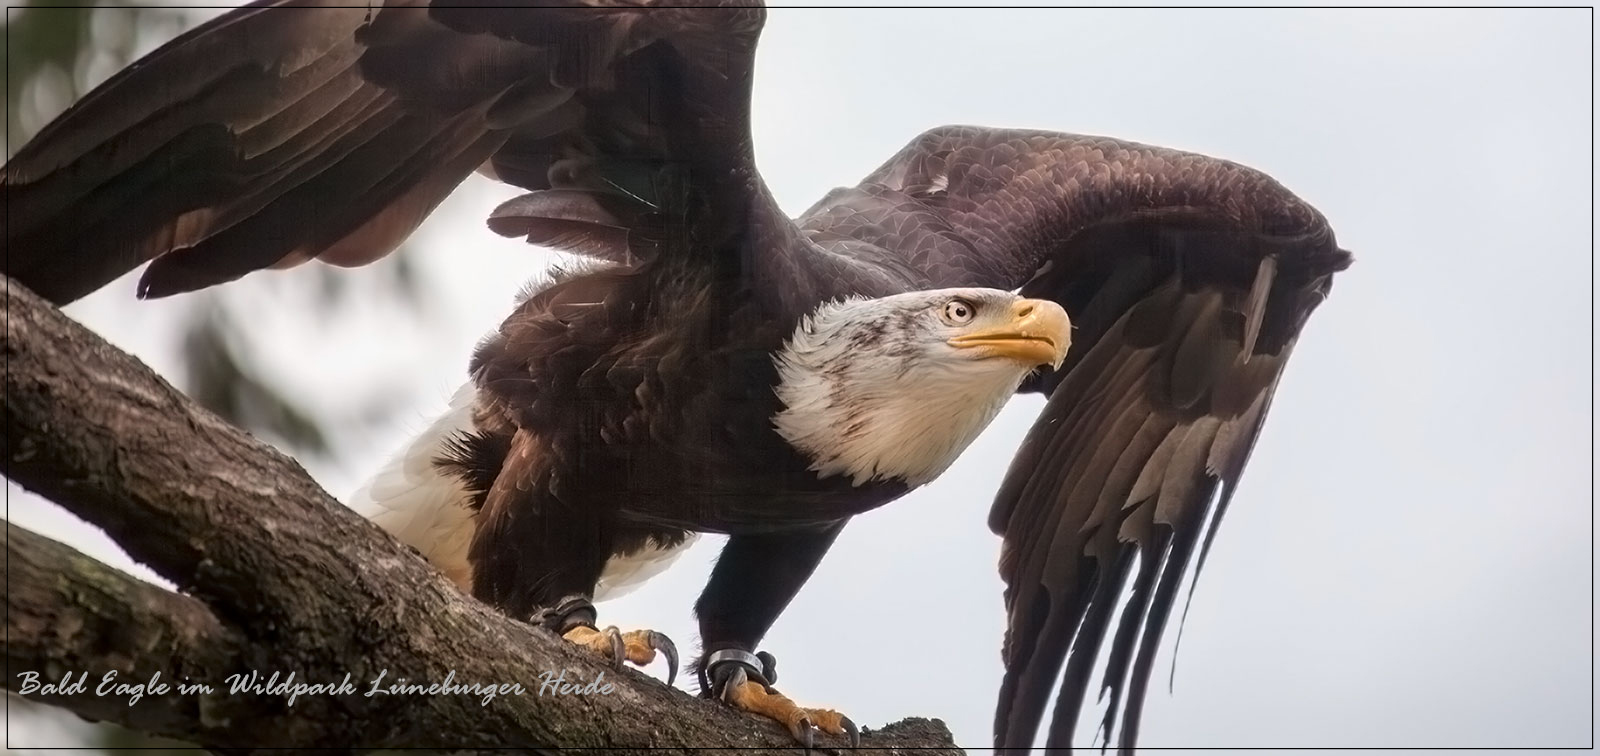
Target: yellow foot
point(637, 646)
point(801, 722)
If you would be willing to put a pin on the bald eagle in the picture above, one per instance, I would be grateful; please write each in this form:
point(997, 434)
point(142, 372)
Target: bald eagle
point(720, 368)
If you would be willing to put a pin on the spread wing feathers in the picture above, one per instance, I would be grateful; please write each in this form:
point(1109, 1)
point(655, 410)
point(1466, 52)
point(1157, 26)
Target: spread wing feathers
point(1188, 279)
point(1117, 475)
point(218, 154)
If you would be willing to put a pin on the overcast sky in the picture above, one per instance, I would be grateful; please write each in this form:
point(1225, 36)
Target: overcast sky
point(1409, 560)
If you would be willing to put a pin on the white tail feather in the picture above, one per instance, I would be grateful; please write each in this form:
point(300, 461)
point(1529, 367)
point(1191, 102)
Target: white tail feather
point(416, 502)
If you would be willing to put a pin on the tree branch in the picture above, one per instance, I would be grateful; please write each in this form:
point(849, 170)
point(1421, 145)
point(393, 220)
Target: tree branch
point(283, 579)
point(67, 614)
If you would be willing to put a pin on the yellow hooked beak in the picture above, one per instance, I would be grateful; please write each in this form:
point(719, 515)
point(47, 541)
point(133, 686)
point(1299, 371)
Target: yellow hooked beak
point(1038, 334)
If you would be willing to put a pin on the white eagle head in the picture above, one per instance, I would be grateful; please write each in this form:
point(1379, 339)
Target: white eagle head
point(895, 388)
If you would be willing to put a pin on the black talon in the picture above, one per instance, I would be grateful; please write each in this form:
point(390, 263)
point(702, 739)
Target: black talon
point(660, 642)
point(808, 736)
point(619, 651)
point(735, 679)
point(854, 732)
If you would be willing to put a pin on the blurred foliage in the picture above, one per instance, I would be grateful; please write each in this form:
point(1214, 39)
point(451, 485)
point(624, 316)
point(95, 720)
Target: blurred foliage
point(217, 377)
point(58, 50)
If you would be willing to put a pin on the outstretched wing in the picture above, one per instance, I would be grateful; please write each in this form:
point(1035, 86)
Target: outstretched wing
point(1188, 279)
point(296, 129)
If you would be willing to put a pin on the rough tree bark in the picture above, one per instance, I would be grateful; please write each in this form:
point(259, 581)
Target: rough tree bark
point(274, 575)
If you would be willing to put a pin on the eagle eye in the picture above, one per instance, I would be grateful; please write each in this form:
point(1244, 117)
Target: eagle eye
point(959, 312)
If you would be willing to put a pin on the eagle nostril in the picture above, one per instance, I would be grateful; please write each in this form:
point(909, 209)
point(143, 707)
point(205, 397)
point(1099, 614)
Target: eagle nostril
point(1025, 310)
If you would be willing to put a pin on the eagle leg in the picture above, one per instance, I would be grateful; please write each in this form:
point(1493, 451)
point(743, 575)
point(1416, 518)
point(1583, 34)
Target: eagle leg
point(754, 579)
point(574, 619)
point(737, 684)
